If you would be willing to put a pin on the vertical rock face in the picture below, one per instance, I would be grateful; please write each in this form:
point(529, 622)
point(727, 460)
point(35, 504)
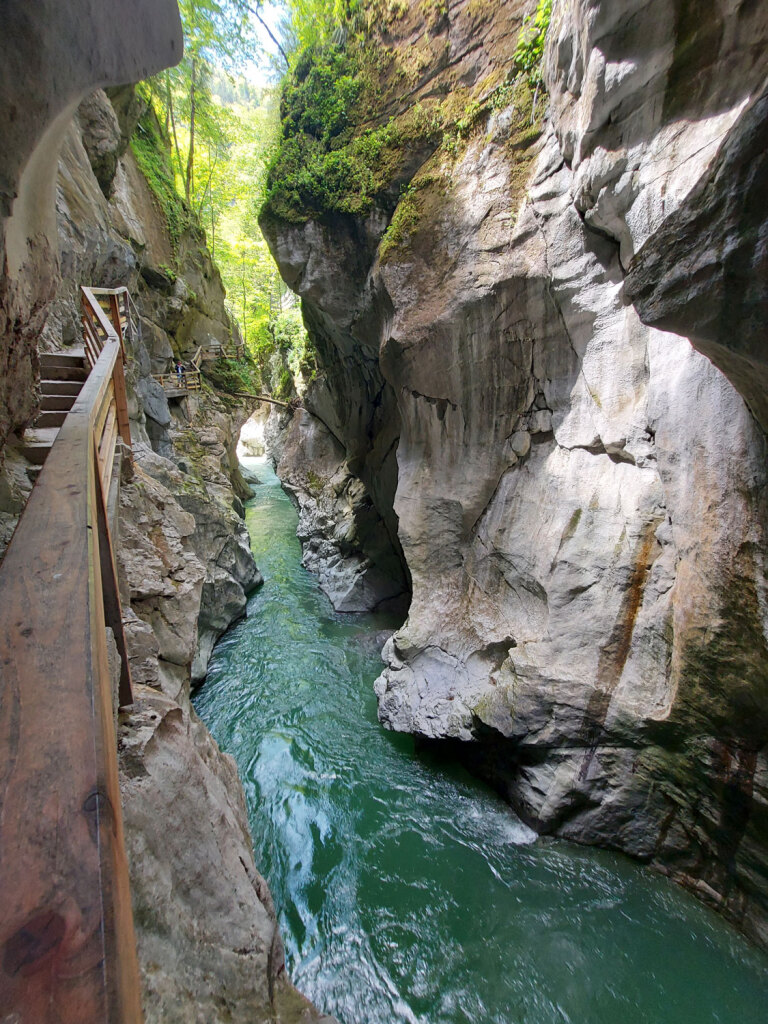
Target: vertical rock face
point(580, 495)
point(343, 537)
point(112, 232)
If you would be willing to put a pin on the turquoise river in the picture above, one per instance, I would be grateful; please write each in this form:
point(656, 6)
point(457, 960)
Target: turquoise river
point(408, 893)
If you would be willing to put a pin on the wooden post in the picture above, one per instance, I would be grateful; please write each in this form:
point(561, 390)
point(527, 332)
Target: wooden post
point(114, 308)
point(110, 589)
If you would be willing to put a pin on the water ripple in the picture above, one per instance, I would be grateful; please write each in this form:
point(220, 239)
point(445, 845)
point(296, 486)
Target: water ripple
point(408, 893)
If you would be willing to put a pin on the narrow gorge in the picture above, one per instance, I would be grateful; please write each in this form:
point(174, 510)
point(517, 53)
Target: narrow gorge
point(515, 667)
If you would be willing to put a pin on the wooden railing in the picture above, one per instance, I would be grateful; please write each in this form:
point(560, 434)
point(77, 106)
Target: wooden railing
point(67, 945)
point(112, 415)
point(116, 303)
point(188, 381)
point(216, 350)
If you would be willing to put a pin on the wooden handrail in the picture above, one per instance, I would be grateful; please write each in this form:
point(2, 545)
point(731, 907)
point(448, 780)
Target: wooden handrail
point(190, 381)
point(97, 331)
point(67, 945)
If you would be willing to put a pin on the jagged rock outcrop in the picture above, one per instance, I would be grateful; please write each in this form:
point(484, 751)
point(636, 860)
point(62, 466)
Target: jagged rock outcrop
point(580, 496)
point(341, 532)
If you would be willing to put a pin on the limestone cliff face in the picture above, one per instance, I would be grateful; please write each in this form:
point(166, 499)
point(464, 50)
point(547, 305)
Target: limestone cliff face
point(125, 240)
point(344, 539)
point(580, 495)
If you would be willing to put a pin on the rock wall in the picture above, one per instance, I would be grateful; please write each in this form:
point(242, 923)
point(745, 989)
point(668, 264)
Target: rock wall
point(208, 940)
point(52, 56)
point(343, 537)
point(580, 495)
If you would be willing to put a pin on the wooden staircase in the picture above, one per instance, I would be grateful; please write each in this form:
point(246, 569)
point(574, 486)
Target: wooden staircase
point(62, 377)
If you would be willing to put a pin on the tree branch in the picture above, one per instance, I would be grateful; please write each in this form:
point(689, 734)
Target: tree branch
point(255, 12)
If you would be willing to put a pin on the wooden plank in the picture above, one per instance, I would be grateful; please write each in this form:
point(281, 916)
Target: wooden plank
point(66, 937)
point(50, 417)
point(60, 387)
point(120, 964)
point(36, 450)
point(62, 359)
point(262, 398)
point(91, 340)
point(99, 381)
point(100, 318)
point(51, 402)
point(106, 449)
point(107, 403)
point(113, 615)
point(114, 306)
point(121, 401)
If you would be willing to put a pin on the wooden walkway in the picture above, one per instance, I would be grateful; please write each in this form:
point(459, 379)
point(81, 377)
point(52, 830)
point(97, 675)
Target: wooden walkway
point(67, 945)
point(176, 386)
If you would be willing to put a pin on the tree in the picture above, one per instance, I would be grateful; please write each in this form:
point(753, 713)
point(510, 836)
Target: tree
point(221, 130)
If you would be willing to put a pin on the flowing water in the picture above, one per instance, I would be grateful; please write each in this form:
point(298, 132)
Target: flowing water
point(407, 891)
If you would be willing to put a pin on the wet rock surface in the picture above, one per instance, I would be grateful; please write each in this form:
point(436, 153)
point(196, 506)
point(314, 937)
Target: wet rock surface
point(342, 536)
point(208, 939)
point(580, 496)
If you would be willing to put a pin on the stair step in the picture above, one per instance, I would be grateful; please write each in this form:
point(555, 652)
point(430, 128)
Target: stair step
point(60, 387)
point(71, 372)
point(37, 442)
point(76, 358)
point(50, 418)
point(51, 403)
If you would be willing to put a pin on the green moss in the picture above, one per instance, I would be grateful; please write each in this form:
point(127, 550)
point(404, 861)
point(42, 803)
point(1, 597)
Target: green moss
point(314, 482)
point(529, 52)
point(231, 376)
point(406, 217)
point(321, 166)
point(152, 157)
point(434, 11)
point(338, 153)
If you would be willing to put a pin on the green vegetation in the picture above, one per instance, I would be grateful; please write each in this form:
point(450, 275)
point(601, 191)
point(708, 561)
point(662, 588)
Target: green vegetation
point(326, 169)
point(407, 214)
point(152, 155)
point(338, 155)
point(233, 376)
point(220, 151)
point(203, 145)
point(529, 52)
